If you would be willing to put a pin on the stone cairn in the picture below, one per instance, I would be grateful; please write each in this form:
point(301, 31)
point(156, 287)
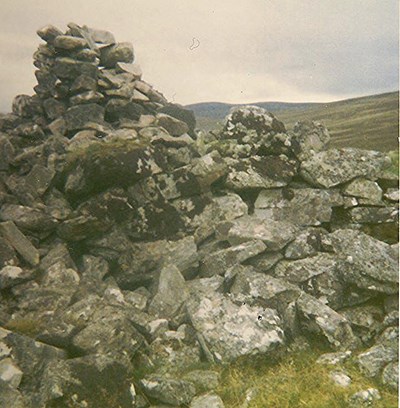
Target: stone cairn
point(133, 247)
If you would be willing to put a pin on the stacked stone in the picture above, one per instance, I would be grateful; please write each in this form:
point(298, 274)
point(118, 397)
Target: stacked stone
point(87, 81)
point(126, 244)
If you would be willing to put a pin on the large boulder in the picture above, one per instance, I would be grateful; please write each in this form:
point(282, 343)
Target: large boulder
point(231, 331)
point(305, 206)
point(366, 262)
point(337, 166)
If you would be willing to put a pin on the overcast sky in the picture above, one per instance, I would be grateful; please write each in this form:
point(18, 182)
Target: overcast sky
point(248, 50)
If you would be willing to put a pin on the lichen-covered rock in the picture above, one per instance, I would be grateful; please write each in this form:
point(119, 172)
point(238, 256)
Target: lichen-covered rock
point(308, 138)
point(245, 118)
point(320, 319)
point(260, 172)
point(168, 390)
point(365, 398)
point(16, 239)
point(89, 381)
point(367, 192)
point(307, 243)
point(390, 375)
point(171, 293)
point(207, 401)
point(365, 261)
point(231, 331)
point(120, 52)
point(219, 262)
point(274, 234)
point(337, 166)
point(203, 380)
point(304, 206)
point(259, 289)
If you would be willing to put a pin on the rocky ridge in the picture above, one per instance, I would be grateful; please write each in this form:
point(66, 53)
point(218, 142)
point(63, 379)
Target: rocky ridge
point(132, 247)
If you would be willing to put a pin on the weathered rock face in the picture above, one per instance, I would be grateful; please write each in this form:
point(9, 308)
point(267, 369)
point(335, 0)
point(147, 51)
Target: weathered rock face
point(231, 331)
point(128, 246)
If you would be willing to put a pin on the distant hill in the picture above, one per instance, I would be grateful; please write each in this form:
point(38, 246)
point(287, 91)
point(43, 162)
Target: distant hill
point(370, 122)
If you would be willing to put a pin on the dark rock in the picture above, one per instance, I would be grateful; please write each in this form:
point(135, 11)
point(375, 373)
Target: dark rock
point(120, 52)
point(27, 218)
point(93, 380)
point(179, 112)
point(70, 69)
point(260, 172)
point(173, 126)
point(48, 33)
point(53, 108)
point(14, 237)
point(7, 153)
point(317, 318)
point(67, 42)
point(77, 117)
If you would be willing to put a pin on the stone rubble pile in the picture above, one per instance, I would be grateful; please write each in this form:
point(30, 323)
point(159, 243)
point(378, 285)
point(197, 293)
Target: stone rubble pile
point(130, 252)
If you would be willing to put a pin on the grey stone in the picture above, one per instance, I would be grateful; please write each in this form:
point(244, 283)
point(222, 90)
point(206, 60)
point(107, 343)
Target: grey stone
point(14, 237)
point(250, 117)
point(207, 401)
point(260, 172)
point(365, 398)
point(321, 319)
point(54, 108)
point(258, 289)
point(392, 194)
point(13, 275)
point(304, 206)
point(27, 218)
point(302, 270)
point(77, 117)
point(366, 320)
point(334, 358)
point(173, 126)
point(86, 97)
point(368, 192)
point(67, 42)
point(10, 373)
point(372, 361)
point(120, 52)
point(390, 375)
point(203, 380)
point(11, 397)
point(171, 293)
point(308, 138)
point(231, 331)
point(340, 378)
point(58, 276)
point(95, 380)
point(48, 33)
point(337, 166)
point(69, 68)
point(274, 234)
point(218, 262)
point(266, 261)
point(307, 243)
point(7, 153)
point(365, 261)
point(168, 390)
point(374, 215)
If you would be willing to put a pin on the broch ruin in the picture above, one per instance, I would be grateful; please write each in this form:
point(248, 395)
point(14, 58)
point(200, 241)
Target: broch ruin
point(130, 243)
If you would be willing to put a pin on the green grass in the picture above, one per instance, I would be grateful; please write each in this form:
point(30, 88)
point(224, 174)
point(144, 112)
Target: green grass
point(295, 382)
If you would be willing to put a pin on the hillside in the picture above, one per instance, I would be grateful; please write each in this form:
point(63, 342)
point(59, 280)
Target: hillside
point(370, 122)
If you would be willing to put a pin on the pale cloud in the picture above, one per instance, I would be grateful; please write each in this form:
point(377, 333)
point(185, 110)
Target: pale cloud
point(249, 50)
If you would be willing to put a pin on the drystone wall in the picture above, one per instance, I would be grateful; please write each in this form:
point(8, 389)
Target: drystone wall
point(133, 247)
